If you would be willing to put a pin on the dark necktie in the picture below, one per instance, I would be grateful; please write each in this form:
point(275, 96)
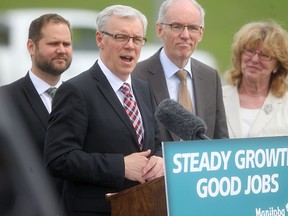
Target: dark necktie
point(183, 93)
point(131, 108)
point(51, 92)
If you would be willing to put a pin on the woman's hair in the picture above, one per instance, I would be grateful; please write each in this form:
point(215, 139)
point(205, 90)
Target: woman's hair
point(274, 42)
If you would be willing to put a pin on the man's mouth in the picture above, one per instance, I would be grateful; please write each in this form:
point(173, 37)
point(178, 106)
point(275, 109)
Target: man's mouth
point(126, 58)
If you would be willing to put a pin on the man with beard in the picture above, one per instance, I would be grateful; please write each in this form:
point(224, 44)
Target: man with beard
point(50, 48)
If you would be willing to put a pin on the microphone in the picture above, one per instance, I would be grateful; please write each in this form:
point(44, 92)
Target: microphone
point(180, 121)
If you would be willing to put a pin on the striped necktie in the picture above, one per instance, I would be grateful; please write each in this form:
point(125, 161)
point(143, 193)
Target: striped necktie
point(131, 108)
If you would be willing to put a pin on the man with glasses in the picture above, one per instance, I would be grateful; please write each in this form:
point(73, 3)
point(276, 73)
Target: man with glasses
point(102, 136)
point(180, 26)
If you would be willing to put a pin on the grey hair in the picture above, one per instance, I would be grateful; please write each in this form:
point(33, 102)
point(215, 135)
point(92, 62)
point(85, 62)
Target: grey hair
point(120, 11)
point(166, 4)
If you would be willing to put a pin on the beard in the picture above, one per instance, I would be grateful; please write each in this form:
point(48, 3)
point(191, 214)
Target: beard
point(48, 65)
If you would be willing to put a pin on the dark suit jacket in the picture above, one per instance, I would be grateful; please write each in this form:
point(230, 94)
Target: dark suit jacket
point(88, 136)
point(207, 92)
point(28, 108)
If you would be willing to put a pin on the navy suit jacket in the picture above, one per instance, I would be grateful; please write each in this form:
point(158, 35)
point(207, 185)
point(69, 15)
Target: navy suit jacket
point(207, 92)
point(89, 135)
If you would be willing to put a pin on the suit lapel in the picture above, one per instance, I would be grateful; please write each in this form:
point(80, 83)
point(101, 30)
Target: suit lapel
point(269, 109)
point(231, 100)
point(109, 94)
point(199, 90)
point(157, 82)
point(156, 79)
point(35, 101)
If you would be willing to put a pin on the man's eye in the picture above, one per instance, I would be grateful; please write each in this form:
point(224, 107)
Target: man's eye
point(176, 26)
point(54, 43)
point(138, 39)
point(66, 44)
point(193, 27)
point(121, 37)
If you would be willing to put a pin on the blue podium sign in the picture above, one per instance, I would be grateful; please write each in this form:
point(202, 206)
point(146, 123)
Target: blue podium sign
point(227, 177)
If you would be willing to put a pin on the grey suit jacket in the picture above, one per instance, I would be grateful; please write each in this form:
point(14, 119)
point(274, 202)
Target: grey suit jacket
point(207, 89)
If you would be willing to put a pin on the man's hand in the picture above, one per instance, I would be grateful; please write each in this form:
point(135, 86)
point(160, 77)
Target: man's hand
point(153, 169)
point(134, 165)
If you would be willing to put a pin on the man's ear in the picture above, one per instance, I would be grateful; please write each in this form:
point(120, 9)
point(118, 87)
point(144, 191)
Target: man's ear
point(31, 47)
point(201, 35)
point(99, 38)
point(159, 30)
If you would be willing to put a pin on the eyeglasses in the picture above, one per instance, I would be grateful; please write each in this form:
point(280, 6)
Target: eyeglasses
point(179, 28)
point(121, 38)
point(263, 57)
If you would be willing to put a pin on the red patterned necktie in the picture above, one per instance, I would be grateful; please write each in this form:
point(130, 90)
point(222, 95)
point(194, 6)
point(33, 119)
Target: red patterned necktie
point(132, 111)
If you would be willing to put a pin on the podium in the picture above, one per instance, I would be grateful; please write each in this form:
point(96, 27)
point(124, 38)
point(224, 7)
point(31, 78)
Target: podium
point(142, 200)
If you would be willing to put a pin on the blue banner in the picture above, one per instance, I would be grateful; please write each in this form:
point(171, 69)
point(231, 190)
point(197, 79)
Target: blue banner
point(239, 177)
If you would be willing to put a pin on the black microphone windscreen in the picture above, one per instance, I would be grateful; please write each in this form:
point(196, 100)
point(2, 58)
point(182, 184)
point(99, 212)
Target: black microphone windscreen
point(179, 120)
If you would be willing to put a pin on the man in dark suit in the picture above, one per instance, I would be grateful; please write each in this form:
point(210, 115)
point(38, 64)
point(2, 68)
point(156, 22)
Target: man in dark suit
point(91, 141)
point(180, 27)
point(25, 188)
point(50, 47)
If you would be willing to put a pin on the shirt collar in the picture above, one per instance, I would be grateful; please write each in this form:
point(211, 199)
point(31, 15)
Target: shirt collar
point(40, 85)
point(170, 68)
point(114, 81)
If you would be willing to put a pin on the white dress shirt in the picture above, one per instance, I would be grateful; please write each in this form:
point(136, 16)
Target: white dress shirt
point(170, 70)
point(116, 84)
point(41, 87)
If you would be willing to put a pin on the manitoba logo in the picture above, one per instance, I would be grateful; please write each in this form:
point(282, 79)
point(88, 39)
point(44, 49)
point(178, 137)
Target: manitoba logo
point(271, 211)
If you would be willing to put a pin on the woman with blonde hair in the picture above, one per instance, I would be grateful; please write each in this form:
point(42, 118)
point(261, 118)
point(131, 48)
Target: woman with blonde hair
point(255, 97)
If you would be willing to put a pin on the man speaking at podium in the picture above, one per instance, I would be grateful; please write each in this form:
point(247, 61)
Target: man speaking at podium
point(102, 135)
